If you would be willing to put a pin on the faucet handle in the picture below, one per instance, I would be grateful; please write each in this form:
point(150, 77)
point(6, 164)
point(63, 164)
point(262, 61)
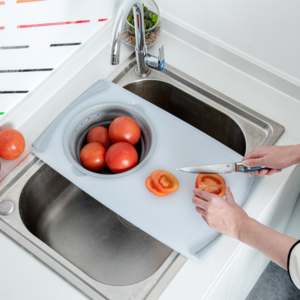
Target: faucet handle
point(161, 57)
point(156, 63)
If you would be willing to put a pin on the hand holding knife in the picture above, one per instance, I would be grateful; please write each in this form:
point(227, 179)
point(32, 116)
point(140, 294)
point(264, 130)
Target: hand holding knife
point(221, 168)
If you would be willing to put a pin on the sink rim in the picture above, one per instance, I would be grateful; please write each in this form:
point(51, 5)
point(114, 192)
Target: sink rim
point(13, 227)
point(10, 225)
point(125, 74)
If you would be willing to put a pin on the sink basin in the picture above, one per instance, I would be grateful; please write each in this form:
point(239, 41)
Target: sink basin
point(92, 237)
point(97, 251)
point(226, 120)
point(199, 114)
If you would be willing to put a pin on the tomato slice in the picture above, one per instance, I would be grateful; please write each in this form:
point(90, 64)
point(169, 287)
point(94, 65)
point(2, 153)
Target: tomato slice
point(212, 183)
point(150, 186)
point(164, 181)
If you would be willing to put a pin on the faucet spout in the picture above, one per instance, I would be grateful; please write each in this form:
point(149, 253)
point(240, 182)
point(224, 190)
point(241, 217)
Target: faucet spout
point(140, 49)
point(118, 28)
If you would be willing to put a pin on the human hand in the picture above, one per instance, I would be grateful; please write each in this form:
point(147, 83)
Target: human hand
point(274, 157)
point(225, 216)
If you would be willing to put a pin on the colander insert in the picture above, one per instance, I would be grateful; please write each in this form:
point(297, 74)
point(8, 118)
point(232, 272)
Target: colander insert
point(102, 115)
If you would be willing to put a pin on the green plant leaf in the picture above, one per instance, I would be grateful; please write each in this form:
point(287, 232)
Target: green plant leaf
point(154, 18)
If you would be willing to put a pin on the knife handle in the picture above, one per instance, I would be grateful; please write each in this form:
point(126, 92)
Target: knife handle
point(252, 169)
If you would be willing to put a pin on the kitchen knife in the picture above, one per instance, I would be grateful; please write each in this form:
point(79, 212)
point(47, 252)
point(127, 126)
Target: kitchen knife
point(221, 168)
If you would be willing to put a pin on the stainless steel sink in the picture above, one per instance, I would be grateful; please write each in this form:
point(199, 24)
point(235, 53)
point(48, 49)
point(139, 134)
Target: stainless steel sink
point(103, 245)
point(101, 254)
point(224, 119)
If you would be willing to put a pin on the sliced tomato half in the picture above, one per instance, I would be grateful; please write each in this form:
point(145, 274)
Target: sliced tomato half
point(212, 183)
point(152, 189)
point(164, 181)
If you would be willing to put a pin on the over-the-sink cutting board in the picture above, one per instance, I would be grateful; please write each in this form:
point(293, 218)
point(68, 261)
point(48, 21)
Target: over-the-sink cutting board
point(172, 219)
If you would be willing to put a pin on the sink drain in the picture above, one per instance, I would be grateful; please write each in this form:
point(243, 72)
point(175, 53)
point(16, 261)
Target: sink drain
point(127, 223)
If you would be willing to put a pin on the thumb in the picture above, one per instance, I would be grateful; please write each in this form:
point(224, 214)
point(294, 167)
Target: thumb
point(228, 195)
point(253, 162)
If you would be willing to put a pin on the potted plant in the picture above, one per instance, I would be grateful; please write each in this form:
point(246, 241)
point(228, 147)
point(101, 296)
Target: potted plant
point(152, 25)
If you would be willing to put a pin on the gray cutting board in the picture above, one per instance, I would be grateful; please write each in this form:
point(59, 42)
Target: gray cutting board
point(172, 219)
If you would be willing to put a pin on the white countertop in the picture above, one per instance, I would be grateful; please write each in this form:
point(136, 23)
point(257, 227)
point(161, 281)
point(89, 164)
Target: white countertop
point(226, 263)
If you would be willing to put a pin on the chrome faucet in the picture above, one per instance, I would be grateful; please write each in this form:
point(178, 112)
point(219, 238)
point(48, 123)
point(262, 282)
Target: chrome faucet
point(143, 59)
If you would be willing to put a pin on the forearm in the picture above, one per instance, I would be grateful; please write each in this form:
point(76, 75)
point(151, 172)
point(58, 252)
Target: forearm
point(297, 154)
point(269, 242)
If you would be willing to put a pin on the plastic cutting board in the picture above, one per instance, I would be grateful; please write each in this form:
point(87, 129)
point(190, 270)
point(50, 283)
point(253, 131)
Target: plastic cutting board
point(172, 219)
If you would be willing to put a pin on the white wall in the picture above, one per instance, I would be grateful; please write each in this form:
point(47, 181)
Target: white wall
point(263, 32)
point(27, 54)
point(267, 32)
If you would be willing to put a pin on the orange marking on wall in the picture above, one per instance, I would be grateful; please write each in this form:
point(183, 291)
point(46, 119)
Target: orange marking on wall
point(2, 27)
point(23, 1)
point(2, 2)
point(53, 24)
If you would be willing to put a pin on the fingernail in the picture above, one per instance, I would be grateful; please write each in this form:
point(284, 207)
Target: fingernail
point(245, 163)
point(264, 171)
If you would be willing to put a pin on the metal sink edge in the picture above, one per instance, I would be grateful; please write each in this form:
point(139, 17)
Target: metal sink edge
point(13, 227)
point(266, 132)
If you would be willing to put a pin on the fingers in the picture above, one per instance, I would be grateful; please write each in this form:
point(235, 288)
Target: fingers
point(267, 172)
point(262, 172)
point(255, 153)
point(273, 171)
point(202, 201)
point(255, 162)
point(201, 211)
point(202, 194)
point(228, 195)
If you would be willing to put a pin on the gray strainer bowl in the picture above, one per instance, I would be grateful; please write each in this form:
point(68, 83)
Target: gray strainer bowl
point(103, 114)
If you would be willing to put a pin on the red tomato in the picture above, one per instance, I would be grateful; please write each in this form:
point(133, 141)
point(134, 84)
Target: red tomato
point(124, 129)
point(121, 157)
point(99, 134)
point(12, 144)
point(150, 186)
point(164, 181)
point(212, 183)
point(92, 156)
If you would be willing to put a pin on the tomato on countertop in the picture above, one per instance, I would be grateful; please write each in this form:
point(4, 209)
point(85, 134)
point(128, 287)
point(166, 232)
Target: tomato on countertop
point(212, 183)
point(12, 144)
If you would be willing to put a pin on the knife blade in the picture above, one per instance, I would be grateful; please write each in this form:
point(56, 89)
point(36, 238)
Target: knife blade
point(220, 168)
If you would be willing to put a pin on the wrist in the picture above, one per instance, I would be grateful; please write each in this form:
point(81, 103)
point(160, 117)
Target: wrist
point(297, 154)
point(245, 227)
